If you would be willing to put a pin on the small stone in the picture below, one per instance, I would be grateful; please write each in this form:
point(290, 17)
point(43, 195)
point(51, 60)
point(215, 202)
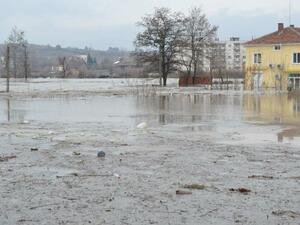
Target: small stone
point(101, 154)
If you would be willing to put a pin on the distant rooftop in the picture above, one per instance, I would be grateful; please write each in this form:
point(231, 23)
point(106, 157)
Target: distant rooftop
point(284, 35)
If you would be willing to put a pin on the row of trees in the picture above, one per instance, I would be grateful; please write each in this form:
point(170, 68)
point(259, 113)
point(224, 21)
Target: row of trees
point(18, 57)
point(174, 41)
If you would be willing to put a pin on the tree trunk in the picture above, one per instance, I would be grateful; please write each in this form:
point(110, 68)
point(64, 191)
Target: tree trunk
point(165, 81)
point(163, 68)
point(195, 72)
point(211, 78)
point(15, 62)
point(160, 68)
point(7, 68)
point(26, 63)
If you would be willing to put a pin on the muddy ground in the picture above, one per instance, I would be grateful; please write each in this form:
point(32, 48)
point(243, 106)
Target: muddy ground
point(50, 172)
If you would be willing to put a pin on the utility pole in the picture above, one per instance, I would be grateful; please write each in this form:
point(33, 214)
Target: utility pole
point(290, 12)
point(7, 67)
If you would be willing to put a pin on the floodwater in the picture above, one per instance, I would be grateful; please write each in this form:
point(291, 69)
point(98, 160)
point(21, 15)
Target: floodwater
point(221, 141)
point(249, 118)
point(50, 85)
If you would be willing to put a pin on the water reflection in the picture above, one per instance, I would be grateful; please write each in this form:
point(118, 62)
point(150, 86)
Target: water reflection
point(194, 109)
point(195, 113)
point(289, 134)
point(8, 109)
point(281, 110)
point(12, 110)
point(273, 109)
point(163, 101)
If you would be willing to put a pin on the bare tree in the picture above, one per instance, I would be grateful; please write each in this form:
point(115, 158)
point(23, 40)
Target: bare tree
point(160, 39)
point(199, 33)
point(7, 61)
point(19, 51)
point(16, 40)
point(26, 61)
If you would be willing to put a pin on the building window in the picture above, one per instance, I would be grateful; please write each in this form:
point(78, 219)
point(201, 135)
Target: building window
point(257, 58)
point(296, 58)
point(277, 47)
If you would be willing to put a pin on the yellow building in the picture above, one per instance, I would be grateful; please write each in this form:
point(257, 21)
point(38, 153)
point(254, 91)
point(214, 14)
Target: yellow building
point(273, 61)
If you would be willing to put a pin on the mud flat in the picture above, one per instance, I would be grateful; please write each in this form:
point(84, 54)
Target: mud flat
point(201, 158)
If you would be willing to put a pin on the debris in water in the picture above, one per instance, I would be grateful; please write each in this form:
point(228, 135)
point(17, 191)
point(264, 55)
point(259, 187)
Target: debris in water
point(195, 186)
point(288, 213)
point(6, 158)
point(117, 175)
point(142, 125)
point(294, 178)
point(241, 190)
point(25, 122)
point(34, 149)
point(101, 154)
point(76, 153)
point(261, 177)
point(181, 192)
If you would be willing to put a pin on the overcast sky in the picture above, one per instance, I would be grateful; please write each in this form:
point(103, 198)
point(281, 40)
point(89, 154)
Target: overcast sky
point(103, 23)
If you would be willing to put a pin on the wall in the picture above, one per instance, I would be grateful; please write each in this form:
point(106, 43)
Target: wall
point(271, 56)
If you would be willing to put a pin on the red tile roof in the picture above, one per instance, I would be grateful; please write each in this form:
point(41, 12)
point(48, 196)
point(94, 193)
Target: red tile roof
point(285, 36)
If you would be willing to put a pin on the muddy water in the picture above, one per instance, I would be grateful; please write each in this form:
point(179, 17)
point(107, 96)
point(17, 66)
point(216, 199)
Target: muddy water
point(222, 141)
point(234, 119)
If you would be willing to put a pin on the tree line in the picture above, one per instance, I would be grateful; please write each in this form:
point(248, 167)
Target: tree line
point(16, 55)
point(175, 41)
point(170, 41)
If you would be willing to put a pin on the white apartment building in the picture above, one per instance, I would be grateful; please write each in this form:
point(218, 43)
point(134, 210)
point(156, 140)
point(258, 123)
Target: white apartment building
point(235, 54)
point(227, 55)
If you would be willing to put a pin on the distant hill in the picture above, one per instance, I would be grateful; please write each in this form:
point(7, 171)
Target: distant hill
point(44, 57)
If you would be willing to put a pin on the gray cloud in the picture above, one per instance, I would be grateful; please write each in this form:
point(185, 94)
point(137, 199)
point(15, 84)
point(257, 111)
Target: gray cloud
point(103, 23)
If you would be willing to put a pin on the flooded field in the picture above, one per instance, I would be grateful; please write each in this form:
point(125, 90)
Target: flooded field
point(200, 157)
point(208, 114)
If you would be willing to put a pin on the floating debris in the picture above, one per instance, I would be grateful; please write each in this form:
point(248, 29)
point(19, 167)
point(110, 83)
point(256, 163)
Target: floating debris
point(195, 186)
point(34, 149)
point(181, 192)
point(142, 125)
point(76, 153)
point(6, 158)
point(117, 175)
point(261, 177)
point(240, 190)
point(288, 213)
